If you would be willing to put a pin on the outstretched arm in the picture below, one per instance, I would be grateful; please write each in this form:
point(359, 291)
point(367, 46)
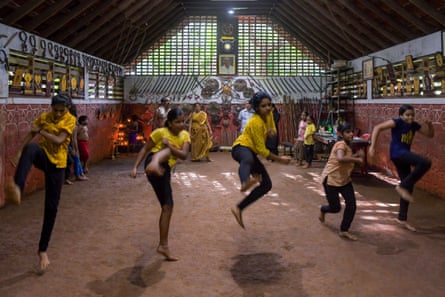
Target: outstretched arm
point(375, 134)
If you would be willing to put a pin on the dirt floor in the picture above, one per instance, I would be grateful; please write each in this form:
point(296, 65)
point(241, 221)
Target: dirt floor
point(105, 238)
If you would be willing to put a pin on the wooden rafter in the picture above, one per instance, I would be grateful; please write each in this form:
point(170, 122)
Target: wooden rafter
point(110, 32)
point(64, 19)
point(23, 11)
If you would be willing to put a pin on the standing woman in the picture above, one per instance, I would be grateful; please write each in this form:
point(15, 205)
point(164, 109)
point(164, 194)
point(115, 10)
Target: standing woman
point(200, 134)
point(163, 147)
point(50, 156)
point(403, 130)
point(248, 145)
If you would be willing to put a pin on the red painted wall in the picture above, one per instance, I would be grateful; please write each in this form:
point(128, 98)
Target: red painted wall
point(16, 120)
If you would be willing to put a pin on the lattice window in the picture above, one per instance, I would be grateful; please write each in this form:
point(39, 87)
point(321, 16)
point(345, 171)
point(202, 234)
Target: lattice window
point(189, 49)
point(264, 49)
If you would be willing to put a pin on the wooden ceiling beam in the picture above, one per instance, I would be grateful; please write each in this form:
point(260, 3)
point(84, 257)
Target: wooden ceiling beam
point(45, 15)
point(4, 3)
point(162, 27)
point(24, 10)
point(113, 29)
point(350, 28)
point(87, 20)
point(84, 35)
point(386, 20)
point(301, 20)
point(331, 36)
point(139, 18)
point(429, 10)
point(408, 16)
point(307, 40)
point(64, 19)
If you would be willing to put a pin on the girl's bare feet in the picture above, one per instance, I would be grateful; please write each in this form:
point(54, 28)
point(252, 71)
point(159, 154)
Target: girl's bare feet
point(43, 263)
point(163, 250)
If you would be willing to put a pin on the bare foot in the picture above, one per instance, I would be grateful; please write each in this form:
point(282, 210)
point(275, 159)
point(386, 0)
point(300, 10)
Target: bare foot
point(155, 169)
point(43, 263)
point(404, 193)
point(248, 184)
point(163, 250)
point(406, 225)
point(347, 235)
point(237, 213)
point(321, 216)
point(81, 177)
point(12, 192)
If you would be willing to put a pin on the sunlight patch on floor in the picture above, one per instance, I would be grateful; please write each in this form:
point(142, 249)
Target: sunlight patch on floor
point(385, 178)
point(380, 227)
point(377, 211)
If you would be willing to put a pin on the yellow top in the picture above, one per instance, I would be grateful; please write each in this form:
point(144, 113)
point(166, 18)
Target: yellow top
point(338, 173)
point(176, 140)
point(198, 119)
point(255, 133)
point(309, 134)
point(57, 153)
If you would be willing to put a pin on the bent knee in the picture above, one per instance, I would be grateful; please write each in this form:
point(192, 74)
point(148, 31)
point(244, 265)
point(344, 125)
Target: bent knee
point(335, 209)
point(167, 208)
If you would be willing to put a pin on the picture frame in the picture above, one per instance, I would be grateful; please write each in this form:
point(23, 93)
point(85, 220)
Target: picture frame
point(368, 69)
point(227, 65)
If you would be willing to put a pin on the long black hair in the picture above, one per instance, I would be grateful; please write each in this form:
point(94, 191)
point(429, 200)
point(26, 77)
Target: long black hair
point(257, 98)
point(61, 99)
point(172, 115)
point(404, 108)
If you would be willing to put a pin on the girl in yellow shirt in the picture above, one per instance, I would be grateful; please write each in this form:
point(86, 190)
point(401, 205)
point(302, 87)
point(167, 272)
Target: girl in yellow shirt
point(309, 141)
point(160, 152)
point(248, 145)
point(50, 156)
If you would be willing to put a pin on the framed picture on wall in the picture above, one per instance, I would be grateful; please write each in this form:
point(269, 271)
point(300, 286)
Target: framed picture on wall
point(368, 69)
point(227, 64)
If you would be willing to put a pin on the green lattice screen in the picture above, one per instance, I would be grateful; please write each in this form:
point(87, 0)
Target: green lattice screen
point(264, 49)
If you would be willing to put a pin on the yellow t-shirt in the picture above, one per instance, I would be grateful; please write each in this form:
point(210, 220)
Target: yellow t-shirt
point(338, 173)
point(57, 153)
point(309, 134)
point(176, 140)
point(255, 133)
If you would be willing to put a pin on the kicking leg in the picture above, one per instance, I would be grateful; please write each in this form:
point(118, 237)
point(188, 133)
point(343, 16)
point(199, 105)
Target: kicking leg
point(154, 167)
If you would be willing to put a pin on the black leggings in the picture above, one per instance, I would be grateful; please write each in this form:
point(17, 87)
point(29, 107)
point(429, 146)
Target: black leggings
point(409, 177)
point(347, 191)
point(161, 184)
point(309, 153)
point(250, 164)
point(33, 154)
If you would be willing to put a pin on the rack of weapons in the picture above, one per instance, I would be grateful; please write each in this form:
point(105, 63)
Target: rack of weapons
point(38, 77)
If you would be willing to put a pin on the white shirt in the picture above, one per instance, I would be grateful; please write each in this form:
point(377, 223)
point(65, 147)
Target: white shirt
point(244, 115)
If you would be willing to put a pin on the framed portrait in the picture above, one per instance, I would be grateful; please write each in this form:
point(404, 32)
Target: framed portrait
point(227, 64)
point(368, 69)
